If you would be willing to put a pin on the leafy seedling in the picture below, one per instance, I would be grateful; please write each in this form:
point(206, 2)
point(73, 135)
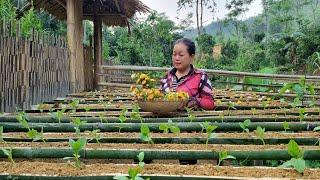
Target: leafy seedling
point(135, 114)
point(76, 147)
point(102, 118)
point(1, 134)
point(316, 128)
point(296, 161)
point(134, 172)
point(302, 114)
point(209, 131)
point(253, 111)
point(231, 105)
point(23, 120)
point(59, 114)
point(122, 116)
point(244, 125)
point(87, 108)
point(74, 104)
point(8, 153)
point(223, 155)
point(95, 135)
point(260, 134)
point(145, 134)
point(169, 127)
point(35, 135)
point(191, 116)
point(77, 123)
point(286, 126)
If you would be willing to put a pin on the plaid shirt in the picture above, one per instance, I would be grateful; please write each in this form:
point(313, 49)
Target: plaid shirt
point(196, 83)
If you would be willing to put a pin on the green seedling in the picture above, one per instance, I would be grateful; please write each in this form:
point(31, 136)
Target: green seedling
point(316, 128)
point(231, 105)
point(244, 125)
point(8, 153)
point(23, 120)
point(265, 104)
point(102, 118)
point(87, 108)
point(1, 134)
point(286, 126)
point(302, 114)
point(59, 114)
point(77, 146)
point(253, 111)
point(191, 116)
point(169, 127)
point(95, 135)
point(77, 123)
point(35, 135)
point(260, 134)
point(296, 102)
point(145, 134)
point(40, 107)
point(134, 172)
point(209, 130)
point(135, 114)
point(296, 161)
point(74, 104)
point(223, 155)
point(122, 116)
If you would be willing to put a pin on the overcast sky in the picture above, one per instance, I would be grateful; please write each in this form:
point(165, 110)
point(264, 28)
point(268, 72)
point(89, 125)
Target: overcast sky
point(169, 7)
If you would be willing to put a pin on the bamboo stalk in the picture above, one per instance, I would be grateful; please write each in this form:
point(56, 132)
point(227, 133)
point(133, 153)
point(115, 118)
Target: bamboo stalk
point(154, 127)
point(155, 154)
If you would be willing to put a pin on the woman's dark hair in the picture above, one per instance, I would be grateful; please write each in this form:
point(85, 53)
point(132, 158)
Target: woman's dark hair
point(191, 47)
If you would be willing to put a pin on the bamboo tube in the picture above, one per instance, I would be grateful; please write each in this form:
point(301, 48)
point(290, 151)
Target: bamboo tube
point(154, 127)
point(192, 140)
point(106, 119)
point(155, 154)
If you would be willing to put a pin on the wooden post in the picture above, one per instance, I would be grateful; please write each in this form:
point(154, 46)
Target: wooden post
point(97, 21)
point(75, 35)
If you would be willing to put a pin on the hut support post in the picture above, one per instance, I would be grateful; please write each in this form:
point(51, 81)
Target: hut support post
point(97, 48)
point(75, 38)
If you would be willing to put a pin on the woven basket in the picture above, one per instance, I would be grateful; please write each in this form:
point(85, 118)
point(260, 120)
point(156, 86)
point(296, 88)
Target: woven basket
point(161, 107)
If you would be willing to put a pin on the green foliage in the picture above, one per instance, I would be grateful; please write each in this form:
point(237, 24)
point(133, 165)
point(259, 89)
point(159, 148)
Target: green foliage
point(244, 125)
point(316, 128)
point(30, 21)
point(8, 153)
point(191, 115)
point(77, 146)
point(209, 130)
point(145, 134)
point(1, 134)
point(35, 135)
point(95, 135)
point(205, 43)
point(302, 114)
point(77, 123)
point(286, 126)
point(135, 114)
point(7, 11)
point(23, 120)
point(260, 134)
point(134, 172)
point(169, 127)
point(122, 116)
point(59, 114)
point(223, 155)
point(296, 161)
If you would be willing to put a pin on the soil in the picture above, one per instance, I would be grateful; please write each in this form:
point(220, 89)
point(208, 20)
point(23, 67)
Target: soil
point(171, 135)
point(96, 168)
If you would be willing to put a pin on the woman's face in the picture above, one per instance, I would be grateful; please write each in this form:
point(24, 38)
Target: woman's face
point(181, 59)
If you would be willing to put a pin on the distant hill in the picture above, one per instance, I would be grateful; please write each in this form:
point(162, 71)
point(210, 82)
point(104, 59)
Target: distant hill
point(215, 28)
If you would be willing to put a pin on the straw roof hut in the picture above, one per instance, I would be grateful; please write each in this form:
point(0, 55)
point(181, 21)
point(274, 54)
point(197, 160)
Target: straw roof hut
point(109, 12)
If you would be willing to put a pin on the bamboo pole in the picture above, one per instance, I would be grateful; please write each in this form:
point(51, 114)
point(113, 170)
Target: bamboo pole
point(155, 154)
point(183, 140)
point(154, 127)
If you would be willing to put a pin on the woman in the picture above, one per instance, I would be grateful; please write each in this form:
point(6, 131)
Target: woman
point(184, 77)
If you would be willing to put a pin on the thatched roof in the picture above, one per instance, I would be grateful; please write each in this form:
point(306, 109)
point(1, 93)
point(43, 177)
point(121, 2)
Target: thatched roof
point(113, 12)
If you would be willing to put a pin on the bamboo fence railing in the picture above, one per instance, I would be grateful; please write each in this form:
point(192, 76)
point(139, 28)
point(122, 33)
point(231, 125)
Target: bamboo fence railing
point(112, 76)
